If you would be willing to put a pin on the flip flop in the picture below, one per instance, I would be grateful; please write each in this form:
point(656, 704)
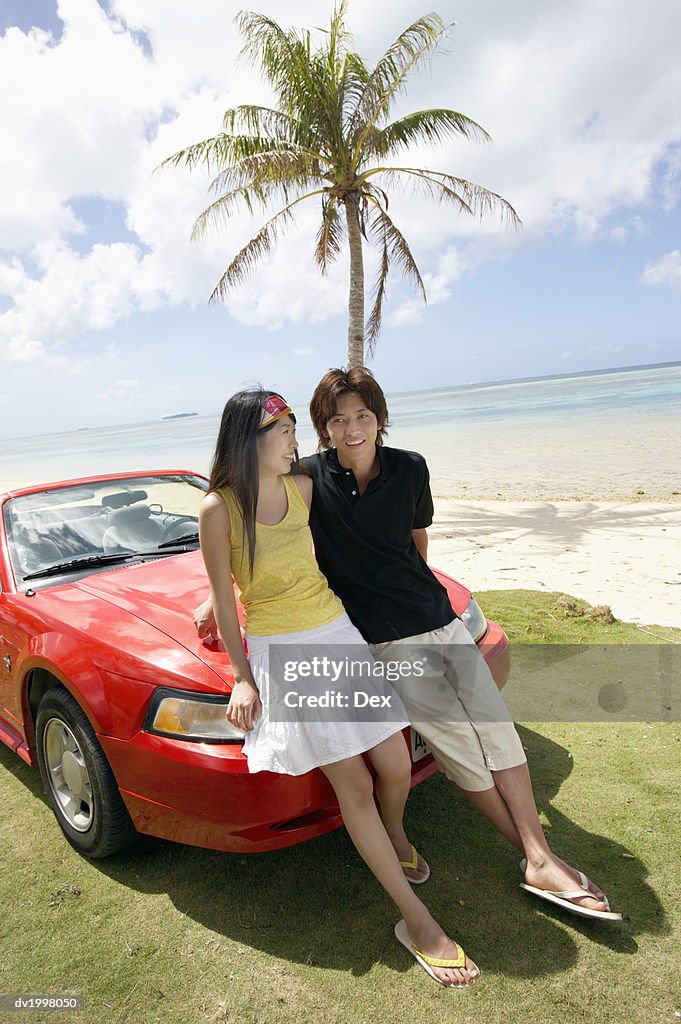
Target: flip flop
point(564, 899)
point(428, 962)
point(413, 865)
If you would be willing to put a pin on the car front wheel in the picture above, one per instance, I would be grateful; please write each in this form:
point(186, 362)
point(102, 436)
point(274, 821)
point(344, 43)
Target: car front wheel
point(80, 785)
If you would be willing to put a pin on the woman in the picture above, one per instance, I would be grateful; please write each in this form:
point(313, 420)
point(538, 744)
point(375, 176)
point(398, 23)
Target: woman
point(254, 526)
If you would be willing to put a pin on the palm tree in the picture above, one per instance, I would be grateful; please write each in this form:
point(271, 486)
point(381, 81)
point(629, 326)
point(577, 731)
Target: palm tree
point(329, 138)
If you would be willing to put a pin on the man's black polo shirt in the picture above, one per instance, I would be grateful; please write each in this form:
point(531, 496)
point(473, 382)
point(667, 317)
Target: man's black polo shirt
point(365, 548)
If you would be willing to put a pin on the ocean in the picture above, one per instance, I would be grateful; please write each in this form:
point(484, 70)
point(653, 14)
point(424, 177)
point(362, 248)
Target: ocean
point(612, 435)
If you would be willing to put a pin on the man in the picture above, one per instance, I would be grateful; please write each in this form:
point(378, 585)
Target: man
point(370, 512)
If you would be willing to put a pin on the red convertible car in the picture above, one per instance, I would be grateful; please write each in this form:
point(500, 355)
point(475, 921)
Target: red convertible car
point(105, 684)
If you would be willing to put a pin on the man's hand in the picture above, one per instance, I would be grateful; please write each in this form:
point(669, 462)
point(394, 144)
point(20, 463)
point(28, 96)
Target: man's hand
point(204, 620)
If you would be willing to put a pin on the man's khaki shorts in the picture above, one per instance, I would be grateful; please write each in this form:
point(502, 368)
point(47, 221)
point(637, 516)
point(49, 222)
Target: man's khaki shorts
point(454, 704)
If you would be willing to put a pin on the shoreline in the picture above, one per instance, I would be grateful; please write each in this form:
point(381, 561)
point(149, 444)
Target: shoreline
point(662, 498)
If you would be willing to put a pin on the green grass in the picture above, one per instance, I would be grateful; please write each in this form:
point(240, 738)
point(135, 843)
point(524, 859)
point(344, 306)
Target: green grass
point(180, 935)
point(535, 617)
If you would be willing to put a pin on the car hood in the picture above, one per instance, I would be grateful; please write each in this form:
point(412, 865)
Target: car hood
point(164, 594)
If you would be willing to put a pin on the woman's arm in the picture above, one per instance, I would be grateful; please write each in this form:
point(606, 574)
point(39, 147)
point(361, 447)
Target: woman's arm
point(214, 533)
point(204, 617)
point(421, 541)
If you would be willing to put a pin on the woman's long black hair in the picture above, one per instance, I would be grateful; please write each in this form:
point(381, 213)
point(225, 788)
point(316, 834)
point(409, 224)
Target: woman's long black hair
point(235, 462)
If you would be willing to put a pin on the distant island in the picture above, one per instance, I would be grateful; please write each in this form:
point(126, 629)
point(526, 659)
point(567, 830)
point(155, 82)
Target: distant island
point(179, 415)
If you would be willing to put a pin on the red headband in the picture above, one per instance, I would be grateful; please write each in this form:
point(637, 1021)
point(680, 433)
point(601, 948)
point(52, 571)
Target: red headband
point(273, 408)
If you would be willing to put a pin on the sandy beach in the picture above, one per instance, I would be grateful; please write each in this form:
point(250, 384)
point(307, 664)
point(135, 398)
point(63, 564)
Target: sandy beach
point(625, 555)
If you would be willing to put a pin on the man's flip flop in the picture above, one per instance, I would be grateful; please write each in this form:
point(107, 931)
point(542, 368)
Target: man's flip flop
point(428, 962)
point(564, 899)
point(413, 865)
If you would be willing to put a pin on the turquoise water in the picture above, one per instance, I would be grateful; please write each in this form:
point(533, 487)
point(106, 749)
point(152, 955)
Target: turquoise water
point(607, 434)
point(613, 391)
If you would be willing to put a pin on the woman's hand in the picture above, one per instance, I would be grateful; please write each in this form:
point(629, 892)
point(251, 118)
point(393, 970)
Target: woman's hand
point(244, 706)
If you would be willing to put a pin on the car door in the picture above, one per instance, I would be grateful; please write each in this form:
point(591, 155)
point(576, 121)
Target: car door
point(12, 638)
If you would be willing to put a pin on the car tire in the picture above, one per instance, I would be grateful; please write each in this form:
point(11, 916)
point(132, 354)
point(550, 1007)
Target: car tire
point(80, 785)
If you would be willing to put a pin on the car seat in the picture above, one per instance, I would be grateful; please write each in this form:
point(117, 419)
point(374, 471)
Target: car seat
point(131, 529)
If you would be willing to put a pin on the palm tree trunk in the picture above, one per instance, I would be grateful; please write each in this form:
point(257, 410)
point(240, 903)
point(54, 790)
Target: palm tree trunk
point(356, 297)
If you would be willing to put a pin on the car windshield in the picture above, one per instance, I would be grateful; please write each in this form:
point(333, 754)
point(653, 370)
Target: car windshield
point(65, 531)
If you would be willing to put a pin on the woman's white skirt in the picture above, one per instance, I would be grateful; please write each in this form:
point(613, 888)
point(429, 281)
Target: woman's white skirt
point(292, 735)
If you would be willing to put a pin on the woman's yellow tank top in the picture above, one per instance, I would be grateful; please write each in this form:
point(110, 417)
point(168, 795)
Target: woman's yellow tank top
point(288, 591)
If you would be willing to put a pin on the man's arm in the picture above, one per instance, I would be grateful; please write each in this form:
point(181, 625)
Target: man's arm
point(204, 619)
point(421, 541)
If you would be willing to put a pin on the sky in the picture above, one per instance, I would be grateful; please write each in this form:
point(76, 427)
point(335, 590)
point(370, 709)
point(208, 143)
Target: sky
point(104, 316)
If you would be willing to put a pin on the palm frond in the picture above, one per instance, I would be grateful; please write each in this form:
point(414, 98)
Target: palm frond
point(328, 242)
point(217, 213)
point(355, 75)
point(339, 36)
point(418, 42)
point(261, 121)
point(342, 75)
point(253, 194)
point(432, 126)
point(395, 249)
point(306, 83)
point(222, 150)
point(213, 152)
point(285, 167)
point(375, 321)
point(469, 197)
point(246, 259)
point(266, 43)
point(284, 57)
point(400, 252)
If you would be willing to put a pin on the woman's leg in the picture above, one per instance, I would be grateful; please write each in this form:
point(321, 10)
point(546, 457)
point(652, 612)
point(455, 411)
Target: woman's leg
point(392, 765)
point(353, 786)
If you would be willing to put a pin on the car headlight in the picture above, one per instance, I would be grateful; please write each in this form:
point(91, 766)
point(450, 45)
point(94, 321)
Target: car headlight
point(186, 715)
point(473, 619)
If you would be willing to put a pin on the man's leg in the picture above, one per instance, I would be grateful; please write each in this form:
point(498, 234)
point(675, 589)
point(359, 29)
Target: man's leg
point(469, 675)
point(459, 712)
point(491, 804)
point(544, 869)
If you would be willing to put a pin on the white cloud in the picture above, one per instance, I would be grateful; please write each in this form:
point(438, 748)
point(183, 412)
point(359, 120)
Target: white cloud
point(581, 102)
point(307, 350)
point(121, 394)
point(11, 277)
point(665, 270)
point(75, 293)
point(77, 111)
point(449, 268)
